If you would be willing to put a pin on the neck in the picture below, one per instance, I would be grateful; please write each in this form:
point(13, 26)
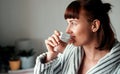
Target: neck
point(92, 53)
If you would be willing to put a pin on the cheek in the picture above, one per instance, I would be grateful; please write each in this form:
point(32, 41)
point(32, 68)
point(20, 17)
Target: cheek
point(82, 35)
point(81, 31)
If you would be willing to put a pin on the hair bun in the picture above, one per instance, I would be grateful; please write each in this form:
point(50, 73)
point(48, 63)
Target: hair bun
point(107, 7)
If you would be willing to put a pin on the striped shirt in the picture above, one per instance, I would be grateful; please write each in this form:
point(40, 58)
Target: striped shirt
point(70, 60)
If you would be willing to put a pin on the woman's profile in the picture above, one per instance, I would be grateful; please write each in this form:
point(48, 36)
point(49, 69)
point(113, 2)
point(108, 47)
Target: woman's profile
point(92, 47)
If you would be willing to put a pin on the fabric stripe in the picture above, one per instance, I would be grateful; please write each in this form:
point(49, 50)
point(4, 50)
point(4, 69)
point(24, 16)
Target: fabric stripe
point(69, 62)
point(108, 62)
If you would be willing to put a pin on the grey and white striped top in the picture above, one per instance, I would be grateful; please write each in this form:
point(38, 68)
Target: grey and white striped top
point(69, 61)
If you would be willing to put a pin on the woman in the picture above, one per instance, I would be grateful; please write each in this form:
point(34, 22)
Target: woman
point(92, 48)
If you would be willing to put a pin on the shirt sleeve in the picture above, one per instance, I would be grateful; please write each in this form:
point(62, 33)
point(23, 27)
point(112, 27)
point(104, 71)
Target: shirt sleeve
point(54, 66)
point(47, 68)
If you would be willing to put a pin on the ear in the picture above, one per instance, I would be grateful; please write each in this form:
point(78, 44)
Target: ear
point(95, 25)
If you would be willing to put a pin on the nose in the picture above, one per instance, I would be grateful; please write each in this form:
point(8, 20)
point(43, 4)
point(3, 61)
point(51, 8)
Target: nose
point(68, 30)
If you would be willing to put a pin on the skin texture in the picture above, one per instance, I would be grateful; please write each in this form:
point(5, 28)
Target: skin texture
point(83, 34)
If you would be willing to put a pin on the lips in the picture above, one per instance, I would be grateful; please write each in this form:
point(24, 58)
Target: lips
point(72, 39)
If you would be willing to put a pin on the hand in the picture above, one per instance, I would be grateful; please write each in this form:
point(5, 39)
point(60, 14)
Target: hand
point(52, 43)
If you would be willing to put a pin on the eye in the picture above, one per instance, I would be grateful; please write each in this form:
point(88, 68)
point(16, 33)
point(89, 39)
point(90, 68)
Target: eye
point(73, 23)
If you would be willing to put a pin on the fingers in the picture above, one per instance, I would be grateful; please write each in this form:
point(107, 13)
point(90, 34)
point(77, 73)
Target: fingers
point(54, 44)
point(57, 33)
point(54, 39)
point(48, 42)
point(49, 46)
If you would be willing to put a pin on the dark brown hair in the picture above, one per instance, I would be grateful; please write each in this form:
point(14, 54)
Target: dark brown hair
point(94, 9)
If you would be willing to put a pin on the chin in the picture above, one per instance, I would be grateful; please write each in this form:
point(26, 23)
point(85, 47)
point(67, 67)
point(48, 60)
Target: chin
point(76, 44)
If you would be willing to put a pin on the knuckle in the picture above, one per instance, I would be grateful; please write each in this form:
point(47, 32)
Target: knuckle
point(46, 41)
point(49, 38)
point(53, 35)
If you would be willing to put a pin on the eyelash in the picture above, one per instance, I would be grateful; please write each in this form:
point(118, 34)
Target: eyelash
point(73, 23)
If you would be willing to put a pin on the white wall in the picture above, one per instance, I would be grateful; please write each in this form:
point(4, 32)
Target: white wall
point(37, 19)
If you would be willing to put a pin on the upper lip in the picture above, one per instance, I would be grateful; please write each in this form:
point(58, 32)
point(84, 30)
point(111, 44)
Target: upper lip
point(72, 37)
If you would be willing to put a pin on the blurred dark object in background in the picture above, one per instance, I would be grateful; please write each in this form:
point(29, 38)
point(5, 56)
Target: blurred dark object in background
point(5, 54)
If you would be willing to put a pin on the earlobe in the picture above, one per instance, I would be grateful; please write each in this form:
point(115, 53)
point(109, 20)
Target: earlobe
point(95, 25)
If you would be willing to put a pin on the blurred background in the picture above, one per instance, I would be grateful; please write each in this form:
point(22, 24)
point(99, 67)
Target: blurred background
point(37, 19)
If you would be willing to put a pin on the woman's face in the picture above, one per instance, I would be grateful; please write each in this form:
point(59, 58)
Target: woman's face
point(79, 30)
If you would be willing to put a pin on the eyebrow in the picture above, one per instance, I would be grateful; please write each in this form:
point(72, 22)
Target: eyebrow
point(76, 20)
